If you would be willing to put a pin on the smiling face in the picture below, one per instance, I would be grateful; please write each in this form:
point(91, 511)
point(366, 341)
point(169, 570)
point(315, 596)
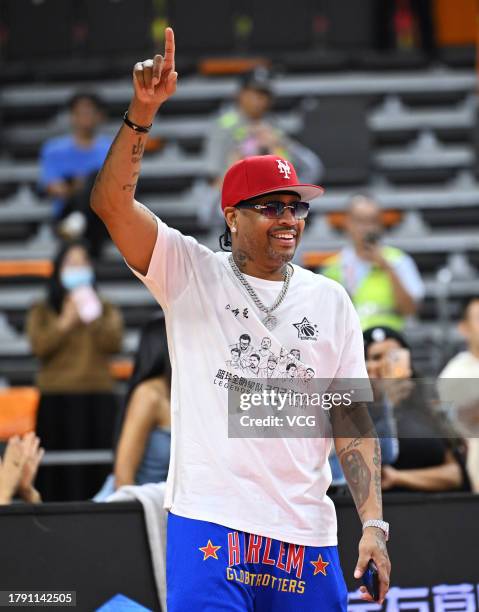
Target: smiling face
point(271, 364)
point(268, 243)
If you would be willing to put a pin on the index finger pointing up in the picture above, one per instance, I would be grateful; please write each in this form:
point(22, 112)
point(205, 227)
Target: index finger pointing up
point(169, 49)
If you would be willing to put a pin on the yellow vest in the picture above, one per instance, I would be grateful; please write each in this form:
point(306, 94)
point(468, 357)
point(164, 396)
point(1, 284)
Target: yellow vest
point(374, 297)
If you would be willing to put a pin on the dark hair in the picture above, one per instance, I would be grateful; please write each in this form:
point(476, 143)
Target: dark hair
point(225, 239)
point(151, 360)
point(290, 365)
point(86, 95)
point(258, 79)
point(464, 307)
point(55, 290)
point(245, 337)
point(386, 333)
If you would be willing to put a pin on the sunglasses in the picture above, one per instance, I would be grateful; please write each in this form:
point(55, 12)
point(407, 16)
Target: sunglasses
point(275, 210)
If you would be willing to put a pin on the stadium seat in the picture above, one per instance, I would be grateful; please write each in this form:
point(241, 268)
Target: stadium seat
point(18, 410)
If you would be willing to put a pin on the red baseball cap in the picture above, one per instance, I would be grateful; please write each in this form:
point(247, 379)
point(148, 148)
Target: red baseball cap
point(261, 174)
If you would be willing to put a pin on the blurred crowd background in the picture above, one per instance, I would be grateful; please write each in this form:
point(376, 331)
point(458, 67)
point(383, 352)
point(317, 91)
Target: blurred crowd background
point(374, 99)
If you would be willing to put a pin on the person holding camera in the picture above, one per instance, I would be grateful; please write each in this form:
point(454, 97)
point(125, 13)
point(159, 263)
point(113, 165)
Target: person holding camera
point(382, 281)
point(431, 453)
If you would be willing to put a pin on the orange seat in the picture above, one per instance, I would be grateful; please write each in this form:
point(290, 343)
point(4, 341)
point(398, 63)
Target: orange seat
point(315, 259)
point(121, 369)
point(456, 23)
point(18, 411)
point(389, 218)
point(26, 267)
point(215, 66)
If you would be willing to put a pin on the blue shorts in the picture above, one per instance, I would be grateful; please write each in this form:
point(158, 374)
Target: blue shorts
point(214, 568)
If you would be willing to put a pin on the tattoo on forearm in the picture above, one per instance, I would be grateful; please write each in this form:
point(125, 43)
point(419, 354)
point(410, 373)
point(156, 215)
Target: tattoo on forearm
point(357, 474)
point(147, 210)
point(353, 444)
point(137, 151)
point(381, 544)
point(99, 176)
point(377, 471)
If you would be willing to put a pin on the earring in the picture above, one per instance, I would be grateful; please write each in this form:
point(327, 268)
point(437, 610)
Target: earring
point(233, 229)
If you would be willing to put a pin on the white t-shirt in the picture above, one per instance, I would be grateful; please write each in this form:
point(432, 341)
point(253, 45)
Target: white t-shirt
point(273, 487)
point(451, 384)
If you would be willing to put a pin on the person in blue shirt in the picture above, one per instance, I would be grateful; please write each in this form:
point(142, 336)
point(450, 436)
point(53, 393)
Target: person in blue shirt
point(67, 161)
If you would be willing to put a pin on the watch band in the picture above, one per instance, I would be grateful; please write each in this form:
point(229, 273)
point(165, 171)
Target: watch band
point(382, 525)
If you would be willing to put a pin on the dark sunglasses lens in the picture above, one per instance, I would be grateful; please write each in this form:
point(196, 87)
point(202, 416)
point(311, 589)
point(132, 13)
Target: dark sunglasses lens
point(301, 210)
point(274, 210)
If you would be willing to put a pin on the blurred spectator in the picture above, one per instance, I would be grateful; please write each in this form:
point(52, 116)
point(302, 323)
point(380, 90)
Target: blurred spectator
point(246, 129)
point(74, 333)
point(69, 163)
point(461, 393)
point(431, 455)
point(143, 450)
point(18, 469)
point(382, 281)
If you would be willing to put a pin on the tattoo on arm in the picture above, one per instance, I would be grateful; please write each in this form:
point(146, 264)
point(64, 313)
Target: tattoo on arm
point(99, 176)
point(146, 210)
point(381, 544)
point(137, 151)
point(131, 186)
point(377, 470)
point(357, 474)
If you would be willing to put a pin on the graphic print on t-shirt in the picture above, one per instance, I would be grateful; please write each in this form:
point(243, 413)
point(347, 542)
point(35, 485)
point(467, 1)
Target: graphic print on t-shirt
point(254, 358)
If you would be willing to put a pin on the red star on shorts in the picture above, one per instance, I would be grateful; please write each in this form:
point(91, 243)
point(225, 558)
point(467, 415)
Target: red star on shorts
point(320, 566)
point(209, 551)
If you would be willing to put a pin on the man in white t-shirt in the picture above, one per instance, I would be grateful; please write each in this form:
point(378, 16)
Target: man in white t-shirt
point(250, 525)
point(458, 385)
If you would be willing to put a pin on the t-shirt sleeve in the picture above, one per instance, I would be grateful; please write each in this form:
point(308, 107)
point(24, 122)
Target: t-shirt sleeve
point(171, 264)
point(409, 275)
point(352, 364)
point(50, 166)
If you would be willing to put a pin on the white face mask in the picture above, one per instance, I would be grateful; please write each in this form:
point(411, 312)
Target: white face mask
point(73, 277)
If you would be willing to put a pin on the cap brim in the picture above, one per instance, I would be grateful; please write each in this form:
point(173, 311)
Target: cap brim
point(305, 192)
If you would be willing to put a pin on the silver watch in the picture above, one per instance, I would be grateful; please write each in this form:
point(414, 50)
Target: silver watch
point(382, 525)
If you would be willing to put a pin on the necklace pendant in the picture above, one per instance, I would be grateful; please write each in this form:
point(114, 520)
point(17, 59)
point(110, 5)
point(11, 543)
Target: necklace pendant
point(270, 322)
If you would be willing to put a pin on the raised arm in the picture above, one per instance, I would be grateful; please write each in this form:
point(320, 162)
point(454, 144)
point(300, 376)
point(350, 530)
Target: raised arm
point(130, 224)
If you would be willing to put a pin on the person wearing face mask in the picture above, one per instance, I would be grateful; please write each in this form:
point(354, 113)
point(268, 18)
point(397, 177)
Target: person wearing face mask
point(73, 333)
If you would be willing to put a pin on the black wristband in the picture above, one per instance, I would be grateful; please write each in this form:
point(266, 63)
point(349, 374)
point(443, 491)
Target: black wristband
point(137, 128)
